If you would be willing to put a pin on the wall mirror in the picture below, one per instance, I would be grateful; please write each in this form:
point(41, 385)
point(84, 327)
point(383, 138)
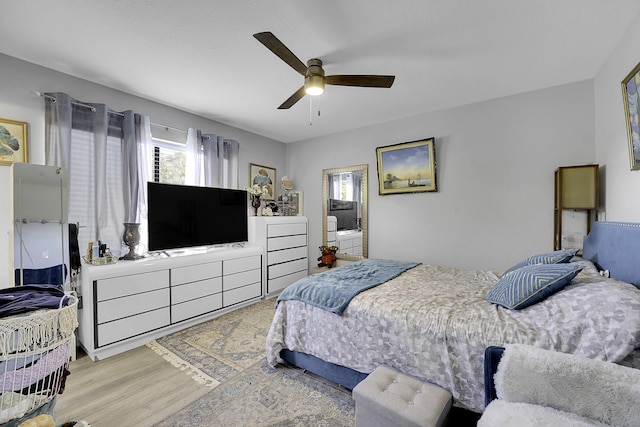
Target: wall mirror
point(344, 211)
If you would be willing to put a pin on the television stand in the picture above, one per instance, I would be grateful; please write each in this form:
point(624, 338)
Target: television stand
point(129, 303)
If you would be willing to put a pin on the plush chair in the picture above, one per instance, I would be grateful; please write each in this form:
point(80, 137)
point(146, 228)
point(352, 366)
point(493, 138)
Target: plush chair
point(529, 386)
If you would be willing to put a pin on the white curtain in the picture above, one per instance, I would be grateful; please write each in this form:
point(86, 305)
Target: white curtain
point(193, 167)
point(102, 151)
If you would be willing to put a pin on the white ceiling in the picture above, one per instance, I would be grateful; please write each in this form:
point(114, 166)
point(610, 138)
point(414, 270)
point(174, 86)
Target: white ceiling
point(200, 56)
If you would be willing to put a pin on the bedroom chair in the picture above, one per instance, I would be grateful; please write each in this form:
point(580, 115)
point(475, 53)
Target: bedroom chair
point(388, 398)
point(529, 386)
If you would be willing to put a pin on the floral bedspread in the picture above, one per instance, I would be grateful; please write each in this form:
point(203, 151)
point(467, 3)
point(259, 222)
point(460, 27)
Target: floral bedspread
point(432, 323)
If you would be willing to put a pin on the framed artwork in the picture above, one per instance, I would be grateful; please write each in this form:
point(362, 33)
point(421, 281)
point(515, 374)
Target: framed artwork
point(264, 176)
point(409, 167)
point(291, 203)
point(631, 97)
point(13, 141)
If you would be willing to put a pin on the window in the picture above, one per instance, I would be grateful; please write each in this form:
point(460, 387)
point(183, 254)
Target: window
point(169, 160)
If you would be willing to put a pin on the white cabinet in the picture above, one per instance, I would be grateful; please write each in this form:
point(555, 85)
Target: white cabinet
point(129, 303)
point(284, 239)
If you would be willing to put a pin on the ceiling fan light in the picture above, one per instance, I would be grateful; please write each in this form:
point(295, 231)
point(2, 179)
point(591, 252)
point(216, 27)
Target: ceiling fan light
point(314, 85)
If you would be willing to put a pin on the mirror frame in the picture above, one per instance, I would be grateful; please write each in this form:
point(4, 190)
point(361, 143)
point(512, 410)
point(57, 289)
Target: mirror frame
point(365, 215)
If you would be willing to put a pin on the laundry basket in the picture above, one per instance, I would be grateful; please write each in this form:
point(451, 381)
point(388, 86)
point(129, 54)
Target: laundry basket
point(34, 354)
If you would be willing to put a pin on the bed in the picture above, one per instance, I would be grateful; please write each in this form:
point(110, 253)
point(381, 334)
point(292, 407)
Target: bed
point(434, 323)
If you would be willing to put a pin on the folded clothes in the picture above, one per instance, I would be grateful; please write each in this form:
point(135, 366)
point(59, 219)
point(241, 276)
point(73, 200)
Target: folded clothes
point(23, 299)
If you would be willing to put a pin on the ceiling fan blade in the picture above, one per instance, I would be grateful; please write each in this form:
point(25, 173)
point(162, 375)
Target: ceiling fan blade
point(360, 80)
point(297, 96)
point(276, 46)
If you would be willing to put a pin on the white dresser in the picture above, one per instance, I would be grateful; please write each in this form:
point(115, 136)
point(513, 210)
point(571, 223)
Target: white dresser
point(284, 239)
point(332, 229)
point(129, 303)
point(349, 242)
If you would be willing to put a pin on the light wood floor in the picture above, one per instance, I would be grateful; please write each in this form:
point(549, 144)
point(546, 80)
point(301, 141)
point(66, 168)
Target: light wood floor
point(135, 388)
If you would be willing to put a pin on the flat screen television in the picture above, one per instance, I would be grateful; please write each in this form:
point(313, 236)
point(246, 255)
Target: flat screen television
point(346, 212)
point(183, 216)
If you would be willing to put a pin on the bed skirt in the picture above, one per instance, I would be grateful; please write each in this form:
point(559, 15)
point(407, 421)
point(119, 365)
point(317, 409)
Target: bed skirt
point(346, 377)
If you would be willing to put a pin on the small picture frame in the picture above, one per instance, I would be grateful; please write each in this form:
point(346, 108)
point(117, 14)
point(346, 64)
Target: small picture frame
point(631, 97)
point(291, 203)
point(265, 177)
point(13, 142)
point(409, 167)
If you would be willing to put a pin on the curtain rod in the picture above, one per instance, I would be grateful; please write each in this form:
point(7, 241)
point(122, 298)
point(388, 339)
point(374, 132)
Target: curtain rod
point(90, 107)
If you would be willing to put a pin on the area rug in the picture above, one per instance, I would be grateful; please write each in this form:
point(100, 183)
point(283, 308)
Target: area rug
point(228, 354)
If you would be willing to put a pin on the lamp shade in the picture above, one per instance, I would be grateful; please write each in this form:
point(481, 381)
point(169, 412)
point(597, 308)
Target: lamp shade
point(578, 187)
point(314, 85)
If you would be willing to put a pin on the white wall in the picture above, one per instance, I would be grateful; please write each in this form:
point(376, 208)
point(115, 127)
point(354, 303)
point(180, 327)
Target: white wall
point(18, 79)
point(621, 185)
point(495, 164)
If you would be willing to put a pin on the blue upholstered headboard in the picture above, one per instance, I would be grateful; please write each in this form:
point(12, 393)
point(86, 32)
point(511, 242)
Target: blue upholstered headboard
point(615, 246)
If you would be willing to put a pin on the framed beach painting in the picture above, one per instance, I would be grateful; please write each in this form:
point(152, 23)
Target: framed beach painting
point(265, 177)
point(409, 167)
point(13, 141)
point(631, 97)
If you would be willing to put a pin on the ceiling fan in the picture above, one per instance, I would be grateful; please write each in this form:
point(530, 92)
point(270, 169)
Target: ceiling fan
point(314, 78)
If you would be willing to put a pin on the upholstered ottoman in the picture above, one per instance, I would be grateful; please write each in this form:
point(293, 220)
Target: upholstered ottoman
point(389, 398)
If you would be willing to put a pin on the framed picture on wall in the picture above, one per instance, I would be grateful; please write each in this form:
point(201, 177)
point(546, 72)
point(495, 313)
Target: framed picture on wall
point(409, 167)
point(631, 97)
point(13, 141)
point(265, 177)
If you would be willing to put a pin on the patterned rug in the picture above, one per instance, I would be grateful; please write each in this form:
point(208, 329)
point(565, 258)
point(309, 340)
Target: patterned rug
point(228, 354)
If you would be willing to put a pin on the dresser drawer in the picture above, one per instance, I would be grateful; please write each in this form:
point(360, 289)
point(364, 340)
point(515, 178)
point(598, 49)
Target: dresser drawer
point(243, 293)
point(277, 230)
point(237, 280)
point(238, 265)
point(118, 308)
point(278, 270)
point(131, 326)
point(196, 307)
point(196, 272)
point(285, 255)
point(284, 281)
point(194, 290)
point(116, 287)
point(277, 243)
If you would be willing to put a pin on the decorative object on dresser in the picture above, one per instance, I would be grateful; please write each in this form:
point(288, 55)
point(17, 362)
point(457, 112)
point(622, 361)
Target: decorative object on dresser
point(131, 238)
point(409, 167)
point(631, 98)
point(127, 304)
point(576, 188)
point(265, 177)
point(256, 191)
point(13, 142)
point(284, 240)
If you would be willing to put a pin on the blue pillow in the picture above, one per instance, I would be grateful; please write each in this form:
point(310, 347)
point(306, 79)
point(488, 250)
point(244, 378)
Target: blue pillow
point(531, 284)
point(555, 257)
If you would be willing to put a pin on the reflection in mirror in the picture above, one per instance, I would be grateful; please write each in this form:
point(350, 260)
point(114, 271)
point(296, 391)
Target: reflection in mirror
point(344, 211)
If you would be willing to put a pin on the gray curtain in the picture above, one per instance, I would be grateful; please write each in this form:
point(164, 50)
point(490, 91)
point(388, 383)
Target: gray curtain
point(220, 158)
point(107, 185)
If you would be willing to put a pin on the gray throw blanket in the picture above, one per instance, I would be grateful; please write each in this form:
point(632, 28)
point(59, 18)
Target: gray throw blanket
point(334, 289)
